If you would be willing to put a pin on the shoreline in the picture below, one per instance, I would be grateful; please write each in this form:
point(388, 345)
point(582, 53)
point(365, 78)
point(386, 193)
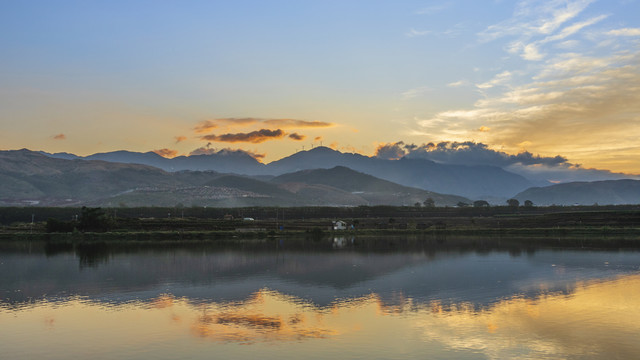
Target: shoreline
point(216, 235)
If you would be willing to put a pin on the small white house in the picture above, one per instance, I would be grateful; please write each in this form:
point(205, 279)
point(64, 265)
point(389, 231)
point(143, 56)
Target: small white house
point(339, 225)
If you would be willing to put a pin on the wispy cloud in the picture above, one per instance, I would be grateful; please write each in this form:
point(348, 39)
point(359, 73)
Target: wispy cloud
point(625, 32)
point(292, 123)
point(229, 123)
point(414, 93)
point(532, 18)
point(532, 51)
point(535, 24)
point(255, 137)
point(499, 79)
point(59, 137)
point(180, 138)
point(458, 83)
point(416, 33)
point(205, 126)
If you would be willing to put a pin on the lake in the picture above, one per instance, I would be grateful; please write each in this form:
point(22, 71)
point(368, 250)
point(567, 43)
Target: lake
point(341, 298)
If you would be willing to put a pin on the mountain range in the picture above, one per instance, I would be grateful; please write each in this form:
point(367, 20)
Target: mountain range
point(29, 177)
point(320, 176)
point(469, 181)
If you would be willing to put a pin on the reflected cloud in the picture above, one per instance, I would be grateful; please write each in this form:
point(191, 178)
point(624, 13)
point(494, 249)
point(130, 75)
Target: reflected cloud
point(596, 319)
point(267, 316)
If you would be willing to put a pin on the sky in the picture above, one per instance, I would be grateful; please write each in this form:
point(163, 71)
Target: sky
point(557, 78)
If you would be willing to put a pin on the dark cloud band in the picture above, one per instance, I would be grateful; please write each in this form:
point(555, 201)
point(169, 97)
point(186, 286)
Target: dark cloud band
point(251, 137)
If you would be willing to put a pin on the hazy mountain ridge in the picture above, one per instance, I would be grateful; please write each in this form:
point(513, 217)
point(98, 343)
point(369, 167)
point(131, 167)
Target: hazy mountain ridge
point(464, 180)
point(223, 161)
point(608, 192)
point(26, 175)
point(32, 178)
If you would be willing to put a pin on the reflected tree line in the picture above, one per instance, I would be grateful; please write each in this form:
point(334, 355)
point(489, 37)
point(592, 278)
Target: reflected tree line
point(96, 253)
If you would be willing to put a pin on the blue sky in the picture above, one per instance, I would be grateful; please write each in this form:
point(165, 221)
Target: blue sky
point(550, 77)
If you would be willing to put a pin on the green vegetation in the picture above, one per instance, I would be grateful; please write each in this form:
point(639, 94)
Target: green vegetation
point(199, 223)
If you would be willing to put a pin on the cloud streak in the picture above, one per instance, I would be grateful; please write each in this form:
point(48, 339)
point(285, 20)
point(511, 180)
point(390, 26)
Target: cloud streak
point(296, 124)
point(59, 137)
point(226, 123)
point(625, 32)
point(205, 126)
point(255, 137)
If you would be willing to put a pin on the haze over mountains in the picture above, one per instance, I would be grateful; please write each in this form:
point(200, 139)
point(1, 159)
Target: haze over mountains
point(320, 176)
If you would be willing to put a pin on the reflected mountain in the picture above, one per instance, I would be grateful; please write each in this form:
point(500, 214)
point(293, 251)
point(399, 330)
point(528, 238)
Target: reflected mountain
point(475, 271)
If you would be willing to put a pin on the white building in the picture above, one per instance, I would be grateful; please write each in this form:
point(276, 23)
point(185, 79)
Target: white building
point(339, 225)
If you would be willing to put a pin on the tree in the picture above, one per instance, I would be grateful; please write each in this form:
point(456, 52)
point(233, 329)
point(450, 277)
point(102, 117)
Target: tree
point(55, 225)
point(513, 202)
point(528, 203)
point(94, 219)
point(480, 203)
point(418, 204)
point(462, 204)
point(429, 202)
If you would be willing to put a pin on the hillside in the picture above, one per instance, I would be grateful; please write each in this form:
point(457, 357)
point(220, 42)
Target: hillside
point(610, 192)
point(370, 188)
point(31, 178)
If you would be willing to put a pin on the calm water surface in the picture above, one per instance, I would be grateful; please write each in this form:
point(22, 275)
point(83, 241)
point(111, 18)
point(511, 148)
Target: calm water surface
point(335, 298)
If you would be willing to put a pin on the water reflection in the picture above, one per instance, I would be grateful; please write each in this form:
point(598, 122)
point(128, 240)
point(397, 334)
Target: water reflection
point(599, 319)
point(335, 299)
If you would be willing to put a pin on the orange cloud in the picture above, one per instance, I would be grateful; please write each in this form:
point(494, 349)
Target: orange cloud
point(205, 126)
point(296, 136)
point(318, 138)
point(168, 153)
point(484, 129)
point(59, 137)
point(252, 137)
point(180, 138)
point(292, 123)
